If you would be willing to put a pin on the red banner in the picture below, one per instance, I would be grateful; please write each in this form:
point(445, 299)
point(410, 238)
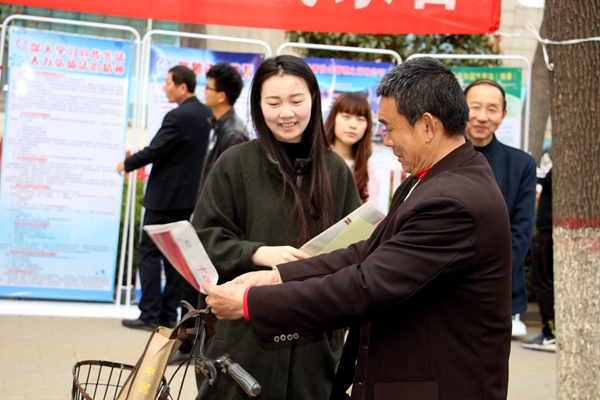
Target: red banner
point(356, 16)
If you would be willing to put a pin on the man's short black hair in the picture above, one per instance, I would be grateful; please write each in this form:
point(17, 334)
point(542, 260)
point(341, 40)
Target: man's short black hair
point(227, 79)
point(182, 74)
point(423, 85)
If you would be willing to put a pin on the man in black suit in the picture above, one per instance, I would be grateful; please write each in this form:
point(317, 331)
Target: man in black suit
point(177, 154)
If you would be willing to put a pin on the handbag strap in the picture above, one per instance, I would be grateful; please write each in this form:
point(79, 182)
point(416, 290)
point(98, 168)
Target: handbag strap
point(180, 331)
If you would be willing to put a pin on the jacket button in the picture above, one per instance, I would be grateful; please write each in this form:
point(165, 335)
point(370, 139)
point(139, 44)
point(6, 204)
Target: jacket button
point(290, 336)
point(296, 336)
point(276, 339)
point(359, 383)
point(282, 337)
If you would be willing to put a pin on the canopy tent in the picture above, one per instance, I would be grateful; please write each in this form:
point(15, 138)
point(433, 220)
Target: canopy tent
point(356, 16)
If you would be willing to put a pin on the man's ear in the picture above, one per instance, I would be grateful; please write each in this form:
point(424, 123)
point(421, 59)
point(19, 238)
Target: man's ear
point(182, 88)
point(429, 125)
point(222, 97)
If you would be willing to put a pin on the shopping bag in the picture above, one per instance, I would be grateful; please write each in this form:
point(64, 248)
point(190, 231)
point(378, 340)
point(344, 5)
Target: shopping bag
point(145, 379)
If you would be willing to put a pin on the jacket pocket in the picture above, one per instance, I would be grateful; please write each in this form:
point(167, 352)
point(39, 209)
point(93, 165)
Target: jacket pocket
point(422, 390)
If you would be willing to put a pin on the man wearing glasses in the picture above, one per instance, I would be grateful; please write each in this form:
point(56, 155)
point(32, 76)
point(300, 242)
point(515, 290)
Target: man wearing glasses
point(222, 89)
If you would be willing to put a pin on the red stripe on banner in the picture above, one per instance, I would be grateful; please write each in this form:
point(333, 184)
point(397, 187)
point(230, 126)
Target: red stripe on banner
point(576, 222)
point(357, 16)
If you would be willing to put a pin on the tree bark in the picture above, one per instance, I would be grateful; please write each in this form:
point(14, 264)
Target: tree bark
point(575, 94)
point(540, 101)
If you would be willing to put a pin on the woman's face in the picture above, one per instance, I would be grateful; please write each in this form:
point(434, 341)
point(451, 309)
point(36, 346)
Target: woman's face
point(285, 102)
point(349, 128)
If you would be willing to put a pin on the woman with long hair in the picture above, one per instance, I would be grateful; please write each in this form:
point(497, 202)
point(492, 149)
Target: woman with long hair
point(348, 130)
point(263, 199)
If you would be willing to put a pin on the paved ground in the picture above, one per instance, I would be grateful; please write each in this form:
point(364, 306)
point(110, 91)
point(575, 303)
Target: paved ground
point(37, 354)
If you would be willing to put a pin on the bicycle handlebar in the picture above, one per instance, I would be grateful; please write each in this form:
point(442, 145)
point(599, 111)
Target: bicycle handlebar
point(224, 363)
point(241, 376)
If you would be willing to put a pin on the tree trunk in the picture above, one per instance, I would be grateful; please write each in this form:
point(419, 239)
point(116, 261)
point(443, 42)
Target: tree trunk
point(575, 94)
point(540, 101)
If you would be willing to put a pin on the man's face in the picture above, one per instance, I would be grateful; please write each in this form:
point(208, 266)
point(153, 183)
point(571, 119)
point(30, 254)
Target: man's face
point(174, 93)
point(211, 95)
point(407, 142)
point(485, 115)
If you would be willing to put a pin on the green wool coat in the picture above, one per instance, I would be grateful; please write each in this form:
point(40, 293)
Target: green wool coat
point(241, 208)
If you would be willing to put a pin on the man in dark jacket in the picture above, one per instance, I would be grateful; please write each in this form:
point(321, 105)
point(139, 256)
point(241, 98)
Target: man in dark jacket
point(515, 172)
point(427, 296)
point(222, 89)
point(176, 154)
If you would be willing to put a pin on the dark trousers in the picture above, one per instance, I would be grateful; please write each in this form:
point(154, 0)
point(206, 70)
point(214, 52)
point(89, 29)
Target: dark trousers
point(156, 307)
point(542, 277)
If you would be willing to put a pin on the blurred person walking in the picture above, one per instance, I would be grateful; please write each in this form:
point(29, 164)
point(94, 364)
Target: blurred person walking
point(542, 261)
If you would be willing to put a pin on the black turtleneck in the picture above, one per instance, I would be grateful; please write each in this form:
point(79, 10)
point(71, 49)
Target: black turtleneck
point(296, 150)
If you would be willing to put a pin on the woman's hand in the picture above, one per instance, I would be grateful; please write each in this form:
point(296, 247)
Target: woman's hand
point(269, 256)
point(258, 278)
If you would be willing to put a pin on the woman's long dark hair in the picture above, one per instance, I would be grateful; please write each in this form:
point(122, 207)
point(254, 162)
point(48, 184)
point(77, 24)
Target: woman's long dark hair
point(355, 104)
point(320, 203)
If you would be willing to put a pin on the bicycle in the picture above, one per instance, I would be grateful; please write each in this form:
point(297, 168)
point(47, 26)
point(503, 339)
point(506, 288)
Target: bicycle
point(104, 379)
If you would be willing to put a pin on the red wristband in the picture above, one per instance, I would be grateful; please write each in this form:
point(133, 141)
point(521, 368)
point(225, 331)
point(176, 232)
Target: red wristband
point(246, 312)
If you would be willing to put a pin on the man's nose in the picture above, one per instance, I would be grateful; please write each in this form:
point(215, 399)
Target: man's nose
point(481, 115)
point(387, 141)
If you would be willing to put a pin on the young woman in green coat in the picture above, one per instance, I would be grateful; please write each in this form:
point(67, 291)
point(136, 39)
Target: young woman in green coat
point(263, 199)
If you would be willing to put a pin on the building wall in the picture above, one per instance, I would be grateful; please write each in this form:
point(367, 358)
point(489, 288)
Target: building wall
point(273, 37)
point(512, 21)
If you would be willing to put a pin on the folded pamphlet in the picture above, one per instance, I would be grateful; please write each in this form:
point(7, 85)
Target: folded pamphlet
point(356, 226)
point(179, 243)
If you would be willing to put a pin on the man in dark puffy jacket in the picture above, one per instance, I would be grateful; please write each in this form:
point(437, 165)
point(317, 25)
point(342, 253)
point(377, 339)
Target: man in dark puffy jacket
point(222, 90)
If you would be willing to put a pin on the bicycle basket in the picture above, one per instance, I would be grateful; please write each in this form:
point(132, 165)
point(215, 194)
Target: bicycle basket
point(102, 380)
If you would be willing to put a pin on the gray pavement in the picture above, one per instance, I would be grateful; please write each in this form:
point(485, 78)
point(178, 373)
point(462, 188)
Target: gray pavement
point(37, 353)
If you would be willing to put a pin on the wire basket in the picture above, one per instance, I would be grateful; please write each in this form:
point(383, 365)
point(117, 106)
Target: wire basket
point(102, 380)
